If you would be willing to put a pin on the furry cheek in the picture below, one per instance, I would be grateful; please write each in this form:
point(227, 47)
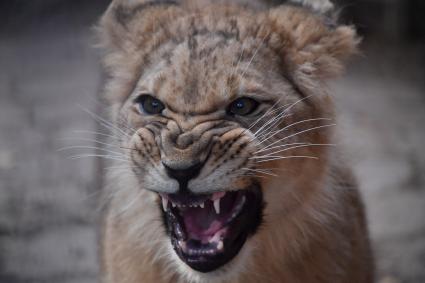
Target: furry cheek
point(146, 158)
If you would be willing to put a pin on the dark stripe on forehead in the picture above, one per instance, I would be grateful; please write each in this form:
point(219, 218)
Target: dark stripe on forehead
point(124, 14)
point(192, 44)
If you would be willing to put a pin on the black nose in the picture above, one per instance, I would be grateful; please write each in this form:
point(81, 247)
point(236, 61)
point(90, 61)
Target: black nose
point(183, 176)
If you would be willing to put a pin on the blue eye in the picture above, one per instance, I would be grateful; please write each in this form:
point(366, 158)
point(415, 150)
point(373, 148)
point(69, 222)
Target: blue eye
point(149, 104)
point(242, 106)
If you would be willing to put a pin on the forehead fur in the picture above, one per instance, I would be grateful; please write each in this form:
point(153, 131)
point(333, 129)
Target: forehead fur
point(204, 72)
point(133, 33)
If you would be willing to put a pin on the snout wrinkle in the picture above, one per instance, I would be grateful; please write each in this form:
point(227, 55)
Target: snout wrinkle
point(181, 150)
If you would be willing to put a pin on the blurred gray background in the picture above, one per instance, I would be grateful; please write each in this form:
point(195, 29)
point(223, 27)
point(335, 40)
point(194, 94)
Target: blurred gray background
point(48, 68)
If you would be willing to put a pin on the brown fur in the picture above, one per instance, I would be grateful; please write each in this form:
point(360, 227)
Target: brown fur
point(187, 54)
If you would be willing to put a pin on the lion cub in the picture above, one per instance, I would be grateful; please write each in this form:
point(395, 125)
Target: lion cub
point(226, 166)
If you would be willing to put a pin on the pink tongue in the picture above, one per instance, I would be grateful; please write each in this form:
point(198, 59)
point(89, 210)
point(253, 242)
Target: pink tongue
point(202, 223)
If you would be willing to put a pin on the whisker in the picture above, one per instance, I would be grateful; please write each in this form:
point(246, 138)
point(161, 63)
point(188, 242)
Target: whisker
point(90, 147)
point(97, 133)
point(260, 171)
point(128, 148)
point(125, 123)
point(300, 132)
point(118, 158)
point(249, 175)
point(103, 122)
point(255, 54)
point(274, 121)
point(291, 125)
point(297, 146)
point(123, 166)
point(271, 123)
point(90, 140)
point(120, 168)
point(272, 158)
point(268, 112)
point(131, 203)
point(282, 145)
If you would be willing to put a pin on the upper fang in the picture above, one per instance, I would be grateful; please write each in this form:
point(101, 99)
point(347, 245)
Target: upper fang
point(217, 206)
point(164, 203)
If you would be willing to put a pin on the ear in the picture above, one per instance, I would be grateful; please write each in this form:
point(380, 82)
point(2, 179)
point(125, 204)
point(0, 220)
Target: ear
point(125, 20)
point(127, 32)
point(312, 49)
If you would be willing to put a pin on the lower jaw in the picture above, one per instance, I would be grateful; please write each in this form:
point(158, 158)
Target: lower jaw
point(207, 257)
point(208, 263)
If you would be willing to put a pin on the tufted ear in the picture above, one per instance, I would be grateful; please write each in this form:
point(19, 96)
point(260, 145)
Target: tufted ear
point(312, 48)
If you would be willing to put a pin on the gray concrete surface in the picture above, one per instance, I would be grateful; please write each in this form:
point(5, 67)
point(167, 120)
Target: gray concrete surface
point(47, 202)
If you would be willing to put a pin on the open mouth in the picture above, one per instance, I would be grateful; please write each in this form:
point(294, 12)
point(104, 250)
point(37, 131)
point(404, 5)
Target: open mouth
point(208, 230)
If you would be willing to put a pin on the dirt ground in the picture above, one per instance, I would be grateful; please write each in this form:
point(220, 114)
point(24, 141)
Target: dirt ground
point(48, 202)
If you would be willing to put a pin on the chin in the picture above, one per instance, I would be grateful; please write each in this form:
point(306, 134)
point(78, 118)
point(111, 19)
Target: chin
point(209, 234)
point(228, 272)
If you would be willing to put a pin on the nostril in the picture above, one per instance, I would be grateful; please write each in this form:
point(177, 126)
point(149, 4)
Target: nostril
point(183, 175)
point(184, 141)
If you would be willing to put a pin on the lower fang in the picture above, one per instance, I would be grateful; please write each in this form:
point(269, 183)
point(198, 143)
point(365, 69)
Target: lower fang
point(183, 246)
point(220, 245)
point(215, 238)
point(164, 203)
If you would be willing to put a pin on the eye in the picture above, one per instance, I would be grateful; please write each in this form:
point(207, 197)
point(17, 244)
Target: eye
point(149, 104)
point(242, 106)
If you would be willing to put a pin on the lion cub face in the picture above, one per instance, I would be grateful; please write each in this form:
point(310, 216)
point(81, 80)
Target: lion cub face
point(215, 105)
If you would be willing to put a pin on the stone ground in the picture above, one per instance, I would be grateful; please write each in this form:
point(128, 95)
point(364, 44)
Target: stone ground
point(47, 201)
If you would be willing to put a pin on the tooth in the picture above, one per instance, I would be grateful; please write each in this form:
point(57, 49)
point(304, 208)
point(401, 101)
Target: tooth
point(218, 195)
point(202, 205)
point(164, 203)
point(220, 245)
point(217, 206)
point(215, 238)
point(183, 245)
